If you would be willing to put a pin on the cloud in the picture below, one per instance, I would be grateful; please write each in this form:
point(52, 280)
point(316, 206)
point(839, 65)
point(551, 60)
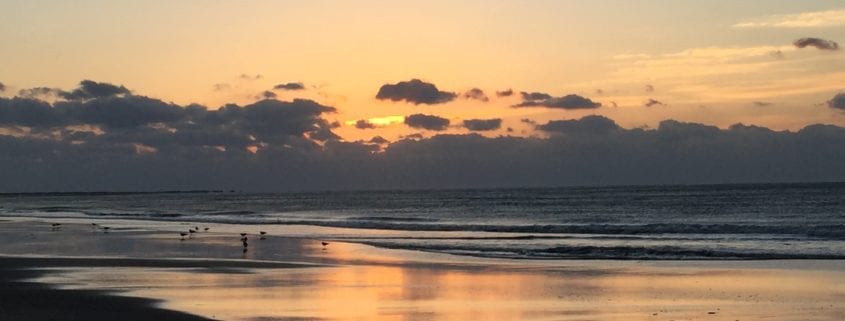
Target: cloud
point(652, 102)
point(528, 121)
point(504, 93)
point(250, 77)
point(429, 122)
point(828, 18)
point(39, 92)
point(483, 124)
point(378, 140)
point(129, 142)
point(565, 102)
point(589, 125)
point(649, 88)
point(364, 124)
point(837, 102)
point(414, 91)
point(820, 44)
point(761, 103)
point(534, 96)
point(266, 95)
point(2, 87)
point(290, 86)
point(221, 86)
point(89, 89)
point(476, 94)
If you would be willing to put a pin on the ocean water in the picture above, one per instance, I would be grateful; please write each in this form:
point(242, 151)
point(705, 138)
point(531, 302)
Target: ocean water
point(769, 221)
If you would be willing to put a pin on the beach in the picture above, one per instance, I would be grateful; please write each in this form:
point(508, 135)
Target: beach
point(141, 270)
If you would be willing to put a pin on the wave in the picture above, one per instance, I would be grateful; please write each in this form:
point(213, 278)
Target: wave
point(612, 252)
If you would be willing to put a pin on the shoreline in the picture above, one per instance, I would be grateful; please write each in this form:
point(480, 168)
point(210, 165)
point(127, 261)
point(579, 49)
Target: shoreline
point(285, 277)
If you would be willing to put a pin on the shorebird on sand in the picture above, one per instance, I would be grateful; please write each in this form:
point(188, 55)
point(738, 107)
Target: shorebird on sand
point(206, 229)
point(324, 244)
point(183, 234)
point(263, 234)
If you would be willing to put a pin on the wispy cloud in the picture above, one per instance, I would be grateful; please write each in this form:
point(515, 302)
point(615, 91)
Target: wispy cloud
point(828, 18)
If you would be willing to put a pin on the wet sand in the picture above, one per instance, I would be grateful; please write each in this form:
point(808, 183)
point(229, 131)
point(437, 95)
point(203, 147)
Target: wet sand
point(81, 271)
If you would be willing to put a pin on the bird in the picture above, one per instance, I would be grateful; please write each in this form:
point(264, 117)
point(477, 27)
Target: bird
point(55, 226)
point(206, 229)
point(192, 231)
point(324, 244)
point(183, 234)
point(243, 234)
point(106, 229)
point(262, 235)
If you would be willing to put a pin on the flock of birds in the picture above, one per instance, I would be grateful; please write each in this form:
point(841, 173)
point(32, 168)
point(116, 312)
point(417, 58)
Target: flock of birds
point(262, 235)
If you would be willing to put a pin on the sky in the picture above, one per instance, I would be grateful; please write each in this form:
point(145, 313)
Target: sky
point(390, 82)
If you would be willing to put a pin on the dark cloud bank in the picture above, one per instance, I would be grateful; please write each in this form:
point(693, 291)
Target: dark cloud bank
point(118, 142)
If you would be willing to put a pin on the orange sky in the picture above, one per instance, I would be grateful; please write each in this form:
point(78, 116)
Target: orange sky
point(718, 63)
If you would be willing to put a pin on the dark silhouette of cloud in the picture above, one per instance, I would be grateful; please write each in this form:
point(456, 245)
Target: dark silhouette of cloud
point(364, 124)
point(267, 95)
point(39, 92)
point(414, 91)
point(483, 124)
point(528, 121)
point(817, 43)
point(429, 122)
point(290, 86)
point(565, 102)
point(653, 102)
point(89, 89)
point(837, 102)
point(476, 94)
point(589, 125)
point(761, 103)
point(504, 93)
point(649, 88)
point(378, 140)
point(534, 96)
point(128, 142)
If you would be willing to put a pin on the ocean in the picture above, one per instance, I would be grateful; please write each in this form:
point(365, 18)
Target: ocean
point(712, 222)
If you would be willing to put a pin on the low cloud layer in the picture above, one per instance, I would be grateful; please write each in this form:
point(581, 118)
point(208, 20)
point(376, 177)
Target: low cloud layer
point(483, 124)
point(537, 99)
point(817, 43)
point(429, 122)
point(127, 142)
point(414, 91)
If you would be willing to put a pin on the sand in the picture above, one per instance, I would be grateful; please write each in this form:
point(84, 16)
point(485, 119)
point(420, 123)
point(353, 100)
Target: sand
point(148, 273)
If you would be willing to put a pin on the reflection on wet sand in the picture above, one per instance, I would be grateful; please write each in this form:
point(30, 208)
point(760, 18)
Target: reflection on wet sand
point(364, 283)
point(373, 292)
